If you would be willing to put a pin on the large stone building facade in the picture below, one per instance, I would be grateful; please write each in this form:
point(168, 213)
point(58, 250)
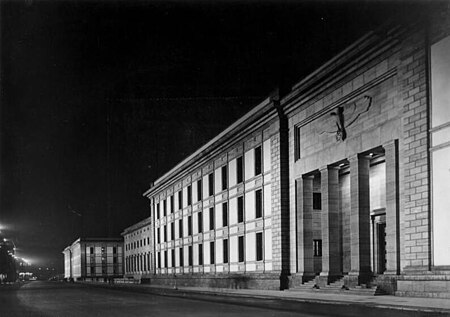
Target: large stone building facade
point(369, 162)
point(93, 259)
point(218, 214)
point(345, 178)
point(138, 256)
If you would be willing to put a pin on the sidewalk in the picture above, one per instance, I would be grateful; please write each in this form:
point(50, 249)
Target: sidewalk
point(436, 305)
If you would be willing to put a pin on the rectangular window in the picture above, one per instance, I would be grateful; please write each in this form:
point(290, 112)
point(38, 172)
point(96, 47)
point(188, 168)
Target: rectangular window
point(224, 177)
point(259, 246)
point(172, 231)
point(165, 233)
point(200, 222)
point(317, 201)
point(317, 247)
point(258, 203)
point(211, 184)
point(239, 170)
point(258, 160)
point(211, 218)
point(189, 195)
point(241, 249)
point(199, 190)
point(157, 211)
point(212, 256)
point(172, 207)
point(200, 254)
point(225, 214)
point(164, 207)
point(180, 199)
point(189, 225)
point(92, 250)
point(172, 255)
point(297, 143)
point(190, 255)
point(225, 250)
point(181, 257)
point(165, 259)
point(158, 236)
point(159, 260)
point(180, 228)
point(240, 207)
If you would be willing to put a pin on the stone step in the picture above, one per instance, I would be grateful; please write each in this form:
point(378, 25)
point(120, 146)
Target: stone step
point(305, 286)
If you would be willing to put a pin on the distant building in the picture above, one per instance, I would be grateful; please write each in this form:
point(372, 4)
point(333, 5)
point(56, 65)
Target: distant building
point(341, 182)
point(138, 244)
point(94, 259)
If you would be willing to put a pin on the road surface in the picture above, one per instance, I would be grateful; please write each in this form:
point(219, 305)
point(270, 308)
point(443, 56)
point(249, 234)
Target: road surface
point(64, 299)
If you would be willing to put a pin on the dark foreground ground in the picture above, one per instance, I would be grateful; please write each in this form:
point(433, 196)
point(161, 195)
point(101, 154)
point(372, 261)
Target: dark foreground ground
point(63, 299)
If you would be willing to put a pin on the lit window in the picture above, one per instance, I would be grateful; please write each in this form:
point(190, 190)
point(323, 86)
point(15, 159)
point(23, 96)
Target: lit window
point(317, 247)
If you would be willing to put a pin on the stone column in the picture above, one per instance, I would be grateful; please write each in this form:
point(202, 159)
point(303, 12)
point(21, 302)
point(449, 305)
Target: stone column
point(359, 220)
point(331, 261)
point(305, 253)
point(392, 208)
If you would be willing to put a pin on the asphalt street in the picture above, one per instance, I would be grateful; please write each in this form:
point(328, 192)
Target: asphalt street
point(64, 299)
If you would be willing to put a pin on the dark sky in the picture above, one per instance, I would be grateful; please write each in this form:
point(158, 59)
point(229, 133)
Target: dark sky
point(98, 99)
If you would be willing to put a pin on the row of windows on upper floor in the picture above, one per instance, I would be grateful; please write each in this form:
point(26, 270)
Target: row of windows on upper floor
point(257, 157)
point(130, 235)
point(212, 226)
point(259, 252)
point(137, 244)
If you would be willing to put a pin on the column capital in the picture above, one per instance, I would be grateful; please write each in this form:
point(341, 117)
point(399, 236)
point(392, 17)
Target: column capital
point(328, 168)
point(356, 157)
point(307, 176)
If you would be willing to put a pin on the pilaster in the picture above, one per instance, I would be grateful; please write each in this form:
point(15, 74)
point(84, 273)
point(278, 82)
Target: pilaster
point(305, 253)
point(359, 219)
point(392, 208)
point(331, 261)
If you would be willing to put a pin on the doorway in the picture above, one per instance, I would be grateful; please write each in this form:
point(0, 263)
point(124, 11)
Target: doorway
point(379, 242)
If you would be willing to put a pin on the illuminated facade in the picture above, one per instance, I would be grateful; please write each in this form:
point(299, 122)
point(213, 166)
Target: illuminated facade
point(93, 259)
point(217, 220)
point(342, 182)
point(369, 161)
point(138, 244)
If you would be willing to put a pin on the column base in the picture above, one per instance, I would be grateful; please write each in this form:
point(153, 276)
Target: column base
point(357, 278)
point(326, 278)
point(297, 279)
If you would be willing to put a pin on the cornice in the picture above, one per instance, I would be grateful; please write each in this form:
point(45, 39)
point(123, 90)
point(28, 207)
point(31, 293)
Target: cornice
point(256, 118)
point(137, 226)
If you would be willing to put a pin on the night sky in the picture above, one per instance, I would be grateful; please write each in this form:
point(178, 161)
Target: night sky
point(98, 99)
